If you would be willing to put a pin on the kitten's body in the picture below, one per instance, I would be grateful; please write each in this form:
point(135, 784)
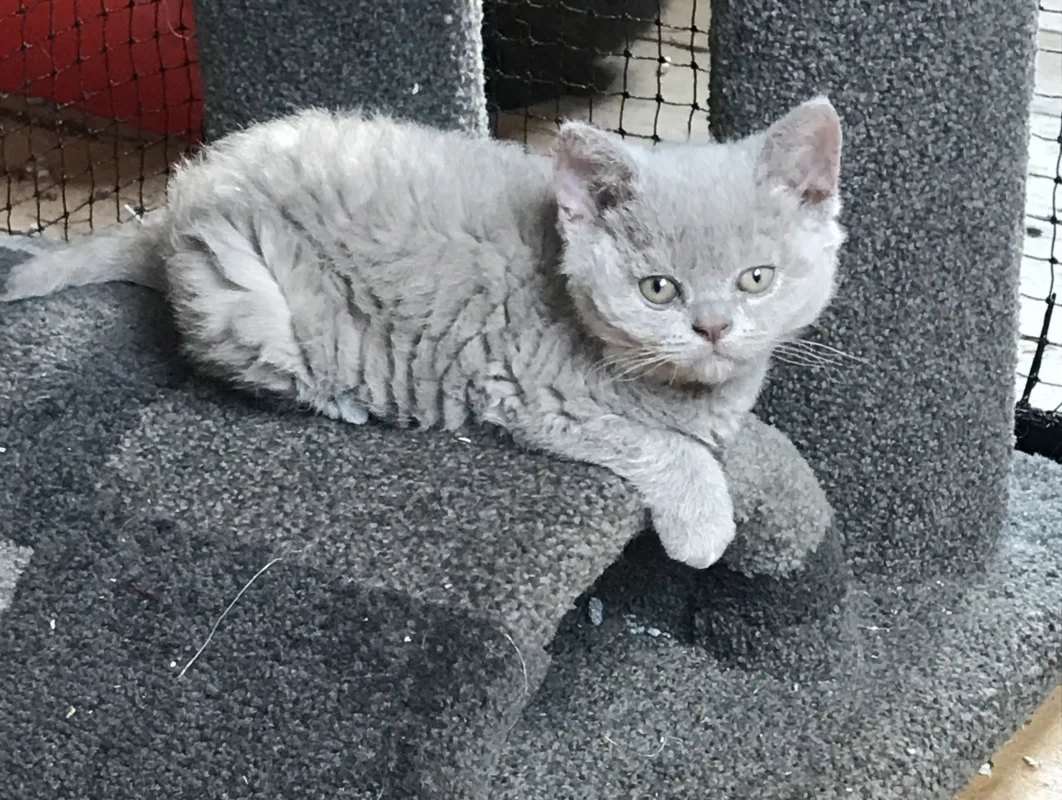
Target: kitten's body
point(366, 267)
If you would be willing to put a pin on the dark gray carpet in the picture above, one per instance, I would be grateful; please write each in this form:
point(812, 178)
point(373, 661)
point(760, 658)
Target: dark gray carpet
point(389, 650)
point(268, 57)
point(399, 647)
point(903, 692)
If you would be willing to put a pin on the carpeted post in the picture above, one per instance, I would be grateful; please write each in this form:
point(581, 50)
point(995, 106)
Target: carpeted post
point(913, 445)
point(418, 59)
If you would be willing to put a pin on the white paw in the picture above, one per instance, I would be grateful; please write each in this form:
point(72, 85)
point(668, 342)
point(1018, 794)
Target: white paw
point(343, 408)
point(349, 410)
point(698, 544)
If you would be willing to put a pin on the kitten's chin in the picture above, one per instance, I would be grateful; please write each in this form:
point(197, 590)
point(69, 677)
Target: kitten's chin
point(710, 372)
point(713, 371)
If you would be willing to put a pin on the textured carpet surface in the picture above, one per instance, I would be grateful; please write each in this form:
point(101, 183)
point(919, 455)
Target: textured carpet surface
point(911, 446)
point(268, 57)
point(389, 649)
point(400, 646)
point(903, 692)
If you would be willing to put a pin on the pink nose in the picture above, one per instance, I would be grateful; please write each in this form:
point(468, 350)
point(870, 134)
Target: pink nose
point(713, 332)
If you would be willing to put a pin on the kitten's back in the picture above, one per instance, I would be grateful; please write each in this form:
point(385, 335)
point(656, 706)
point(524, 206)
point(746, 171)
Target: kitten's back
point(374, 169)
point(383, 183)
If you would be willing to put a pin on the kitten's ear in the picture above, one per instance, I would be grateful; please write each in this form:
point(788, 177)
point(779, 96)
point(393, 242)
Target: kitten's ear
point(802, 151)
point(592, 172)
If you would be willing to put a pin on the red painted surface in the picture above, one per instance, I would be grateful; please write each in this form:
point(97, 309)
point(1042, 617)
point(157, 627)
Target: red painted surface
point(132, 60)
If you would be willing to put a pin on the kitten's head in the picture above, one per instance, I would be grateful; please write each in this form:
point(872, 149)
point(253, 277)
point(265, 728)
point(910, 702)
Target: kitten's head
point(690, 261)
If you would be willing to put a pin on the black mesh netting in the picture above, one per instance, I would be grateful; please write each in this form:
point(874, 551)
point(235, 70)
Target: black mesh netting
point(98, 99)
point(638, 67)
point(1040, 365)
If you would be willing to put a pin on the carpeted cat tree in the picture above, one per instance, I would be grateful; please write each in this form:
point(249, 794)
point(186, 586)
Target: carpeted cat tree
point(203, 596)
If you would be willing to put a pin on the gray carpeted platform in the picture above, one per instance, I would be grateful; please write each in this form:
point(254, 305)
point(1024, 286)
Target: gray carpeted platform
point(918, 683)
point(390, 649)
point(404, 631)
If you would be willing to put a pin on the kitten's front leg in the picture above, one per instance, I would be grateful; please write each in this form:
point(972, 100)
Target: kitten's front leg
point(693, 513)
point(680, 479)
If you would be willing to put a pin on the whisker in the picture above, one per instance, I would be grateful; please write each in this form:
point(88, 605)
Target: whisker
point(632, 365)
point(797, 360)
point(622, 366)
point(824, 356)
point(808, 343)
point(642, 368)
point(808, 357)
point(829, 370)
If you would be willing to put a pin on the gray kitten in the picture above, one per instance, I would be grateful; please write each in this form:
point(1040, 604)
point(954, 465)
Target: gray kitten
point(613, 304)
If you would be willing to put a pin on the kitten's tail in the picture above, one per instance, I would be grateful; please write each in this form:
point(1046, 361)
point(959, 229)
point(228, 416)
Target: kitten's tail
point(126, 253)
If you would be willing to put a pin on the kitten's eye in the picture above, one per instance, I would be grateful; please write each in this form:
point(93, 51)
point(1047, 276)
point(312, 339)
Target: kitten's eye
point(659, 290)
point(756, 280)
